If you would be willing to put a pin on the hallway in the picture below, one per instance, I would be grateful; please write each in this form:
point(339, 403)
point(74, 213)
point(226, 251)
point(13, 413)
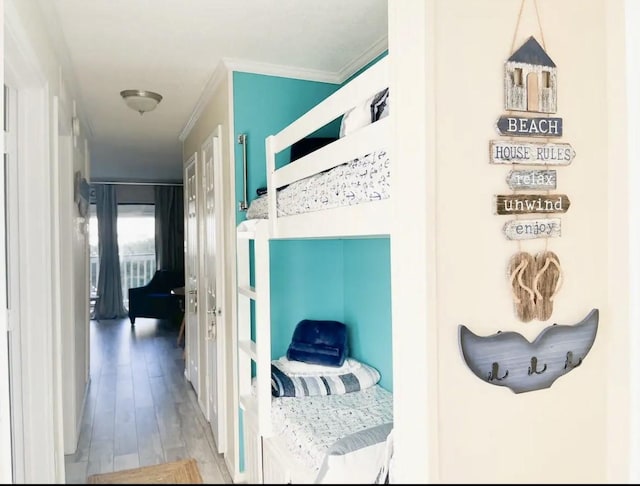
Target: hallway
point(140, 409)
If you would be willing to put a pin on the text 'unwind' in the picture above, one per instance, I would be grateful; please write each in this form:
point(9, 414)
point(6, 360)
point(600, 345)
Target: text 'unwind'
point(531, 203)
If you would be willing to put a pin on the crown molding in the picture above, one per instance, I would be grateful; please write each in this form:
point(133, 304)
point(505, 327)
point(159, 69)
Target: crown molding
point(207, 92)
point(268, 69)
point(227, 65)
point(363, 59)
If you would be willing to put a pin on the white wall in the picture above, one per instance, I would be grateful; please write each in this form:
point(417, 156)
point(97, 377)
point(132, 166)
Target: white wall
point(6, 459)
point(218, 111)
point(64, 327)
point(477, 432)
point(79, 256)
point(622, 377)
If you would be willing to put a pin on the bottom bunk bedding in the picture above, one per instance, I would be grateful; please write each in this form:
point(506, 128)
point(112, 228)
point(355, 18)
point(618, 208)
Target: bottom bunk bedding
point(351, 377)
point(363, 179)
point(342, 437)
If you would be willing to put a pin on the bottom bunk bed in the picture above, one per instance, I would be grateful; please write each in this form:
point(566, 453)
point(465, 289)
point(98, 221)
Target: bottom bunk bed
point(336, 438)
point(315, 415)
point(326, 439)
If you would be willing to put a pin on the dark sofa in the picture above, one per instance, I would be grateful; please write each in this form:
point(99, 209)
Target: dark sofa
point(155, 299)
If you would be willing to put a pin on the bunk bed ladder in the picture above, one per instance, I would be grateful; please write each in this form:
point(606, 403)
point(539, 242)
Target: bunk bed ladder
point(256, 350)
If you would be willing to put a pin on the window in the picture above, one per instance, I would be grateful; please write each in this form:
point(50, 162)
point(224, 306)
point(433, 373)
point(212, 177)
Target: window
point(136, 246)
point(517, 77)
point(546, 79)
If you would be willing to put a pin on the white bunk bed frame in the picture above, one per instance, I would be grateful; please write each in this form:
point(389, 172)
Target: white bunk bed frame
point(266, 458)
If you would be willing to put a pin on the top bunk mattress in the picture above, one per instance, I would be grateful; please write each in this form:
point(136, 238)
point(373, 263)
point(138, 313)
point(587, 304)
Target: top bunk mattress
point(310, 425)
point(360, 180)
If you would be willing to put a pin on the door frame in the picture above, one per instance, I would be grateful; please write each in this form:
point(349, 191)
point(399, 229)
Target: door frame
point(63, 228)
point(6, 455)
point(191, 342)
point(13, 284)
point(215, 140)
point(42, 426)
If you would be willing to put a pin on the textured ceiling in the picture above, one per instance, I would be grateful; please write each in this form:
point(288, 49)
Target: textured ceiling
point(173, 47)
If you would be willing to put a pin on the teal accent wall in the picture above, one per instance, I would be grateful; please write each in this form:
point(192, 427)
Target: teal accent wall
point(307, 282)
point(306, 276)
point(262, 106)
point(367, 303)
point(367, 295)
point(343, 280)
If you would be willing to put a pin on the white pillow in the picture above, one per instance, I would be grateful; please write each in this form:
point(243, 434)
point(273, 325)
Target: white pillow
point(363, 114)
point(357, 117)
point(300, 368)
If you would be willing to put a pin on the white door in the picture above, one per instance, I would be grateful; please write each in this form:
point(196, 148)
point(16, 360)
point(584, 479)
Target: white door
point(213, 275)
point(11, 294)
point(6, 465)
point(192, 334)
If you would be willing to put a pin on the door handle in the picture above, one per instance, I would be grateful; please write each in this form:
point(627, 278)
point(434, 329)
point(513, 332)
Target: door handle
point(212, 327)
point(193, 291)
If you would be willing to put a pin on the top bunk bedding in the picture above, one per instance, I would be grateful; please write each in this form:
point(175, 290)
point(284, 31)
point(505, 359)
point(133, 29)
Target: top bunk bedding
point(341, 189)
point(360, 180)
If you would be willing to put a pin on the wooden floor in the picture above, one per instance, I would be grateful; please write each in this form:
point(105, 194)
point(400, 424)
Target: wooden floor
point(140, 409)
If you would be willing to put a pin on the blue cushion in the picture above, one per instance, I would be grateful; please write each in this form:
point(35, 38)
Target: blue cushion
point(319, 342)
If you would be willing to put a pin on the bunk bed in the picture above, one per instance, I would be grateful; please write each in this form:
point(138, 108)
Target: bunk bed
point(268, 457)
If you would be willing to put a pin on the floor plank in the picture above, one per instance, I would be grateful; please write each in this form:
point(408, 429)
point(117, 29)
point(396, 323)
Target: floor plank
point(140, 409)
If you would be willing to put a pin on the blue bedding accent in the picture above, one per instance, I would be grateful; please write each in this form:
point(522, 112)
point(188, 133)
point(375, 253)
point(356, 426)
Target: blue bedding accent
point(286, 385)
point(319, 342)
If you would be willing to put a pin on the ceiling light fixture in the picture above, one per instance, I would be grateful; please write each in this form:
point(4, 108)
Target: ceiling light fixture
point(141, 101)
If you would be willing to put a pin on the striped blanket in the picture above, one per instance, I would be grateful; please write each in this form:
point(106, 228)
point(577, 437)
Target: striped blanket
point(285, 385)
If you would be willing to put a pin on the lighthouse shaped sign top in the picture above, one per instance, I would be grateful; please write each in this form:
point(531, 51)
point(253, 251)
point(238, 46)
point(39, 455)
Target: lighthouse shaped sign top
point(530, 82)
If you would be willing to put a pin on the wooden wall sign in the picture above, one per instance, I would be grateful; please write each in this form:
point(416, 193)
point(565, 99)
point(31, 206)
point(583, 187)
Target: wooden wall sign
point(509, 359)
point(531, 153)
point(529, 229)
point(530, 127)
point(538, 180)
point(530, 79)
point(531, 203)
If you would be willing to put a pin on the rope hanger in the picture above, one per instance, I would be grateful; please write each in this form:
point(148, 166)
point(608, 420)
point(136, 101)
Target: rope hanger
point(515, 32)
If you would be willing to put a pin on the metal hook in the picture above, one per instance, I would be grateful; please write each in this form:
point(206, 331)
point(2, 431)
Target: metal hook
point(493, 374)
point(569, 361)
point(534, 365)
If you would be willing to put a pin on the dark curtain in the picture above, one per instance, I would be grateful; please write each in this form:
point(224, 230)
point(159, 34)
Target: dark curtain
point(109, 305)
point(169, 207)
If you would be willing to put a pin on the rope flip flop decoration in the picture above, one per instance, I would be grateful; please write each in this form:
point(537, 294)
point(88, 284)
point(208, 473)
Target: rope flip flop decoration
point(534, 282)
point(522, 270)
point(546, 283)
